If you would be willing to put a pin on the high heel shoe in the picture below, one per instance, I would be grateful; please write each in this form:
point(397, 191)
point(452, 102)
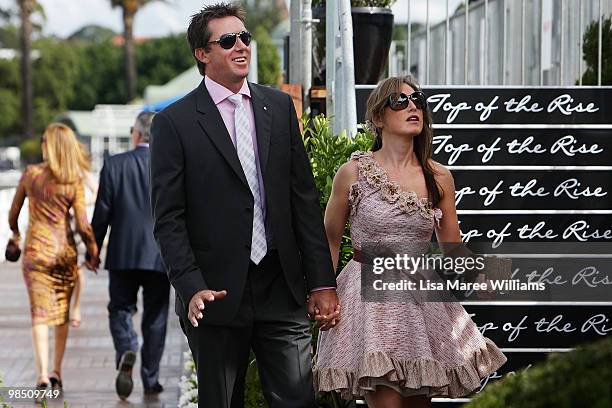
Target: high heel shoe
point(56, 381)
point(41, 386)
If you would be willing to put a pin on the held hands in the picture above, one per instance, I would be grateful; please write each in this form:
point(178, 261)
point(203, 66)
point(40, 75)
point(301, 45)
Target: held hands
point(92, 262)
point(198, 301)
point(324, 308)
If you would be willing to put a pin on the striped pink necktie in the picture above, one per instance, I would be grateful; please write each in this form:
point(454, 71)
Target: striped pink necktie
point(246, 155)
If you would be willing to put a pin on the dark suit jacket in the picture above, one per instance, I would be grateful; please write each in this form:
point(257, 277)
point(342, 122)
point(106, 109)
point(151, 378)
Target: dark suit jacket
point(203, 207)
point(123, 203)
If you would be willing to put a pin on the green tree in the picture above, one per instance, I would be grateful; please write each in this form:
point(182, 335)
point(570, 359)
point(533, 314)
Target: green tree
point(129, 8)
point(26, 8)
point(9, 112)
point(400, 33)
point(9, 36)
point(268, 61)
point(99, 77)
point(266, 13)
point(92, 34)
point(590, 50)
point(160, 60)
point(10, 116)
point(9, 33)
point(54, 76)
point(54, 80)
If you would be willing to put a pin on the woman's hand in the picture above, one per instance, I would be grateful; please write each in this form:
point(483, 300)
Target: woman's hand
point(92, 262)
point(15, 238)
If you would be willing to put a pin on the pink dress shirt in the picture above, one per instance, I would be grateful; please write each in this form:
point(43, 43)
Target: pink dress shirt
point(220, 95)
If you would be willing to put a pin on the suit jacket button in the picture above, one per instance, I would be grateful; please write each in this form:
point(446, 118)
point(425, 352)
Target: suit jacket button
point(248, 210)
point(247, 246)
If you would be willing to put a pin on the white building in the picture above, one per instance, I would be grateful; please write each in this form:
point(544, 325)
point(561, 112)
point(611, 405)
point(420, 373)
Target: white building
point(509, 42)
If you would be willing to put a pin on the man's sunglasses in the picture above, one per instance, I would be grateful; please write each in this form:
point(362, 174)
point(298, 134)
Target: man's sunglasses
point(227, 41)
point(398, 102)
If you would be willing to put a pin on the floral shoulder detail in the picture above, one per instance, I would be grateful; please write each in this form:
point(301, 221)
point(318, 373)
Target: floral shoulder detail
point(354, 198)
point(358, 154)
point(376, 177)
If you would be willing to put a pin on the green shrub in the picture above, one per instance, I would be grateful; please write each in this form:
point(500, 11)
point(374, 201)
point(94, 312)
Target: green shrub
point(3, 403)
point(268, 60)
point(253, 396)
point(580, 378)
point(327, 153)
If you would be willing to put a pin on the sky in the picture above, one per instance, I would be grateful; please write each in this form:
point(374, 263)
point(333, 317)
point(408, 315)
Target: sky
point(158, 19)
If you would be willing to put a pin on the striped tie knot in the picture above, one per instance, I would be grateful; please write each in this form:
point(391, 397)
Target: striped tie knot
point(236, 99)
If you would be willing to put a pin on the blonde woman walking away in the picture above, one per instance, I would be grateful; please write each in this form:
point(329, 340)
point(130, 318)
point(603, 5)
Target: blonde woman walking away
point(49, 264)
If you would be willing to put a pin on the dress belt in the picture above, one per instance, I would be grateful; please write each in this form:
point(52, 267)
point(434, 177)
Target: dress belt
point(358, 256)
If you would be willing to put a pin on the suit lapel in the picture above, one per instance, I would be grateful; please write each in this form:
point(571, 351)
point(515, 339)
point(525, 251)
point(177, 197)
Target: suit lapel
point(212, 124)
point(263, 125)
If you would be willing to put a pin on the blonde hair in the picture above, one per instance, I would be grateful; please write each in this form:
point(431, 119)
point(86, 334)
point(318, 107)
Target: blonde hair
point(65, 155)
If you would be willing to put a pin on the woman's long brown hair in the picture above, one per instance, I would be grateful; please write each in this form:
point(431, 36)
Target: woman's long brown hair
point(377, 102)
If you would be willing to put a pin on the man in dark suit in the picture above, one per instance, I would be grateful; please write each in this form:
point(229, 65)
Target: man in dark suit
point(238, 222)
point(133, 260)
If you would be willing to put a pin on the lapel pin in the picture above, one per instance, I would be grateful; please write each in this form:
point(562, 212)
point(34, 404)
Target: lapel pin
point(265, 108)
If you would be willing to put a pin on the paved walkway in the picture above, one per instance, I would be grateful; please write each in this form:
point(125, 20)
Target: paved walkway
point(89, 367)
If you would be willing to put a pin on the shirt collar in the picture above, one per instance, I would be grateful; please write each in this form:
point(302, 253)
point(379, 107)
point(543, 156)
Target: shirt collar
point(219, 93)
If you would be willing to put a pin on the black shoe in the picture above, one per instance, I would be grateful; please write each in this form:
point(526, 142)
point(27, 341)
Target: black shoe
point(124, 383)
point(40, 387)
point(56, 381)
point(156, 389)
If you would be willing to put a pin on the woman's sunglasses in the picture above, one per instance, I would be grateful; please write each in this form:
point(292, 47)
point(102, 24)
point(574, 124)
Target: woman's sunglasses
point(398, 102)
point(227, 41)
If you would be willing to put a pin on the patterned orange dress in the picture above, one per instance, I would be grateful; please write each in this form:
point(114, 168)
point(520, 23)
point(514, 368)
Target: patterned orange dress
point(50, 257)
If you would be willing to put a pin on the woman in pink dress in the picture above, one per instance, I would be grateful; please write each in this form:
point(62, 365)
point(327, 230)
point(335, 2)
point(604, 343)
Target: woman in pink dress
point(397, 354)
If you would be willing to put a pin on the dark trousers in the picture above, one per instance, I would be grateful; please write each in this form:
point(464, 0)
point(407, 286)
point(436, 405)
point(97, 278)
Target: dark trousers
point(270, 323)
point(123, 287)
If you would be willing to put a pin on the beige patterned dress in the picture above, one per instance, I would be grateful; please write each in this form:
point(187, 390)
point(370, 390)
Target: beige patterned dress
point(417, 348)
point(50, 258)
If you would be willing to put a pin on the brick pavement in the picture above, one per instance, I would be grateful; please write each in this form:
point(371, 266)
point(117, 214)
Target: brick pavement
point(88, 368)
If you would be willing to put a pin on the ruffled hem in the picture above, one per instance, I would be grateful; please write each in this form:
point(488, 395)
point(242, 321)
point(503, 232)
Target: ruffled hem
point(428, 375)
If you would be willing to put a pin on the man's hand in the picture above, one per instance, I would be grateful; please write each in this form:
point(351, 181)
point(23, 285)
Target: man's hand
point(198, 301)
point(323, 306)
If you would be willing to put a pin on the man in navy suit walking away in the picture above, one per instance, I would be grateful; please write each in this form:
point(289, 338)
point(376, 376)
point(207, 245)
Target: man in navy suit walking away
point(133, 260)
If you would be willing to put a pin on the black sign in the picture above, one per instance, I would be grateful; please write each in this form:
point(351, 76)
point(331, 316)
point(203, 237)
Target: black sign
point(551, 326)
point(550, 147)
point(514, 127)
point(517, 363)
point(533, 190)
point(578, 105)
point(535, 228)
